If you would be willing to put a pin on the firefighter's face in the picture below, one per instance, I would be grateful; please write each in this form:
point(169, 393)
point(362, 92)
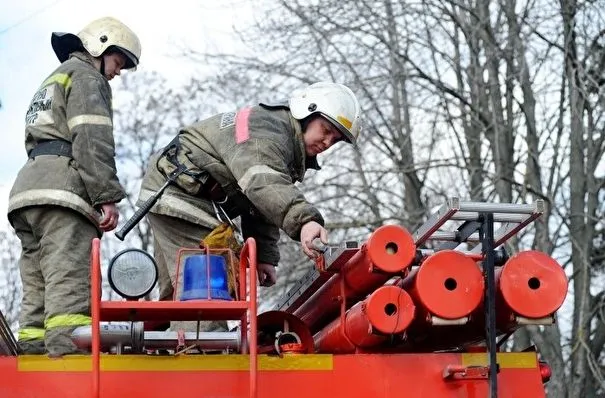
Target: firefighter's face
point(114, 63)
point(320, 135)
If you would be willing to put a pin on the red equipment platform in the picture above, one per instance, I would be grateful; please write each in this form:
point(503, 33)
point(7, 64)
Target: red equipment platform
point(292, 375)
point(242, 310)
point(347, 275)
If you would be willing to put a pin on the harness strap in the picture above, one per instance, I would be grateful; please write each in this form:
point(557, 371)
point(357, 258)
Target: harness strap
point(51, 147)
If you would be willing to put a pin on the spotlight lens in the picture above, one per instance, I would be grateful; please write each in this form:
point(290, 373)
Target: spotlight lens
point(132, 273)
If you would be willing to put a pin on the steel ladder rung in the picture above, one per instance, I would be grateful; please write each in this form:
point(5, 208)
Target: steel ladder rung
point(514, 216)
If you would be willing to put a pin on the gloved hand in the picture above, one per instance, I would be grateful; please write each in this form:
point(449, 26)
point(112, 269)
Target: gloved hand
point(266, 274)
point(308, 232)
point(110, 218)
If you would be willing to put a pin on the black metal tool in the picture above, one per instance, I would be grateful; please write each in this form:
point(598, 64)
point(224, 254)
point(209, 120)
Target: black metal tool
point(144, 209)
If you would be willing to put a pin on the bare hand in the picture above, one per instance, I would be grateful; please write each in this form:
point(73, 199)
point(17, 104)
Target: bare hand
point(310, 231)
point(110, 217)
point(267, 276)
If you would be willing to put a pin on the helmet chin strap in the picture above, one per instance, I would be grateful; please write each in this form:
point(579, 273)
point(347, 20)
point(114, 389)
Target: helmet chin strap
point(102, 69)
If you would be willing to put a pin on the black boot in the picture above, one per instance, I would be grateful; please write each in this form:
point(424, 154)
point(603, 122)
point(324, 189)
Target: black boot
point(31, 347)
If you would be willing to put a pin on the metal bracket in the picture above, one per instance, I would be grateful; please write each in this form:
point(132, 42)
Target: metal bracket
point(477, 226)
point(513, 217)
point(335, 257)
point(459, 372)
point(549, 320)
point(8, 343)
point(436, 321)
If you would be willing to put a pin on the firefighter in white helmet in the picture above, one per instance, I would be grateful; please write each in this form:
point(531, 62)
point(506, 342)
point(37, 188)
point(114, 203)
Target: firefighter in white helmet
point(66, 193)
point(246, 163)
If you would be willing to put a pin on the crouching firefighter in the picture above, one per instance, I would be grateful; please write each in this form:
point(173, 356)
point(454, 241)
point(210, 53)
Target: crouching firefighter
point(66, 193)
point(247, 162)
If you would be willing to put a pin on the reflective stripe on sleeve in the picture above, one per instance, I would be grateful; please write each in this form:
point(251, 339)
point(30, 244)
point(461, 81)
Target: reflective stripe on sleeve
point(242, 134)
point(89, 119)
point(244, 182)
point(67, 320)
point(59, 78)
point(28, 334)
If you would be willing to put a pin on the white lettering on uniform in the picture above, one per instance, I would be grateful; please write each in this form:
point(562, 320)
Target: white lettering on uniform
point(227, 120)
point(39, 111)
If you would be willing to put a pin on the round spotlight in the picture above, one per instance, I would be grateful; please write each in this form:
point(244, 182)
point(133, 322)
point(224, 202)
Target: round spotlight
point(132, 273)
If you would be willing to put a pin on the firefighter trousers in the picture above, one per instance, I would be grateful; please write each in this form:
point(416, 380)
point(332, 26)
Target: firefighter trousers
point(55, 273)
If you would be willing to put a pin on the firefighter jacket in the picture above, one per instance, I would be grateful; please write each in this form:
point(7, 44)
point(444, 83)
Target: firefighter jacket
point(73, 107)
point(257, 154)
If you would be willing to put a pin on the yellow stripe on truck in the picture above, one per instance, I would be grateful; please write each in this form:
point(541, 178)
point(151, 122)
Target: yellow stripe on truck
point(506, 360)
point(42, 363)
point(143, 363)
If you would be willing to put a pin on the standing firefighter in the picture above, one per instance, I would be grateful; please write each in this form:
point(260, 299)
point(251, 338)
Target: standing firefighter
point(66, 193)
point(246, 163)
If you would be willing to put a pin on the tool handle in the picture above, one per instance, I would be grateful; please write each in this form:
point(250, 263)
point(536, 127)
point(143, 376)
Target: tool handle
point(318, 245)
point(140, 212)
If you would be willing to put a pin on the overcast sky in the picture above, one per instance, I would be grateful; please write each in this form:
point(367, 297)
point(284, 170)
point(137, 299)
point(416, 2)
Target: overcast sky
point(27, 58)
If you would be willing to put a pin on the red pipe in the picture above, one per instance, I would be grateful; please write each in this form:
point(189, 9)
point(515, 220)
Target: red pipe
point(530, 284)
point(95, 312)
point(387, 311)
point(389, 251)
point(248, 259)
point(448, 285)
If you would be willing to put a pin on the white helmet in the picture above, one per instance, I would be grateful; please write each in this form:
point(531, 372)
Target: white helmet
point(335, 102)
point(97, 37)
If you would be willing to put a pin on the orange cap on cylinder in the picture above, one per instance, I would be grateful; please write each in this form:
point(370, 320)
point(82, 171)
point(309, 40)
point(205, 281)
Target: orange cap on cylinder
point(533, 284)
point(391, 248)
point(389, 310)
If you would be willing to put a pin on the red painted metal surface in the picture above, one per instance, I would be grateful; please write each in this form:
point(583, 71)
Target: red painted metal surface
point(388, 310)
point(350, 376)
point(377, 323)
point(296, 372)
point(181, 310)
point(389, 251)
point(95, 310)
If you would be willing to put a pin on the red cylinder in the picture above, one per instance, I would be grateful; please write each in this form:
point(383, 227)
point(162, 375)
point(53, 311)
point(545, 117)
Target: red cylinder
point(530, 284)
point(387, 311)
point(448, 284)
point(388, 251)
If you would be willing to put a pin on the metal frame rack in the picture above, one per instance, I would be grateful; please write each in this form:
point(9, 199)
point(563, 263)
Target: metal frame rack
point(477, 226)
point(242, 310)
